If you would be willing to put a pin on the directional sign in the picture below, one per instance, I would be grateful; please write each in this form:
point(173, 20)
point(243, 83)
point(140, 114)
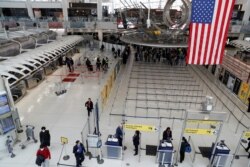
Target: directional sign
point(203, 122)
point(64, 140)
point(200, 131)
point(246, 134)
point(145, 128)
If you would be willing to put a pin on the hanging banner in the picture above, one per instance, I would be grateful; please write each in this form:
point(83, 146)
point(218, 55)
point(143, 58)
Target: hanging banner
point(243, 93)
point(200, 131)
point(246, 135)
point(64, 140)
point(145, 128)
point(203, 122)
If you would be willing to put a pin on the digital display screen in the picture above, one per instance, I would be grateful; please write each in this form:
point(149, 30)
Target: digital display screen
point(4, 106)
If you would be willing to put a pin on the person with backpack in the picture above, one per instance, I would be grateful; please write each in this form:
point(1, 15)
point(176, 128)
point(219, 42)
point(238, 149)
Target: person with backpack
point(136, 141)
point(79, 151)
point(185, 147)
point(43, 156)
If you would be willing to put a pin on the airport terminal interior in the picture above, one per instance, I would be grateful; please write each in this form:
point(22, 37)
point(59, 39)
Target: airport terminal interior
point(117, 76)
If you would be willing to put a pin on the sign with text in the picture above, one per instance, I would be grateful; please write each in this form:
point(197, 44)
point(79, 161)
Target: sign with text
point(200, 131)
point(145, 128)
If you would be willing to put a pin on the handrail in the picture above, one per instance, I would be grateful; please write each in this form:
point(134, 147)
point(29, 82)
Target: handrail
point(191, 67)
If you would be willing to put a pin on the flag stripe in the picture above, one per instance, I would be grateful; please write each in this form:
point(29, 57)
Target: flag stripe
point(204, 42)
point(218, 30)
point(225, 30)
point(198, 42)
point(215, 24)
point(201, 43)
point(220, 39)
point(192, 29)
point(208, 30)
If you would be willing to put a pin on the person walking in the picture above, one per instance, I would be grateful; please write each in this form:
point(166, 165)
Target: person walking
point(44, 137)
point(79, 151)
point(136, 141)
point(69, 63)
point(98, 64)
point(167, 134)
point(184, 144)
point(89, 105)
point(119, 134)
point(43, 156)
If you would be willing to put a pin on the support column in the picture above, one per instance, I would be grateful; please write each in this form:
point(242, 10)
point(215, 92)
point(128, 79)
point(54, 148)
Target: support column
point(1, 13)
point(65, 6)
point(100, 35)
point(30, 10)
point(99, 10)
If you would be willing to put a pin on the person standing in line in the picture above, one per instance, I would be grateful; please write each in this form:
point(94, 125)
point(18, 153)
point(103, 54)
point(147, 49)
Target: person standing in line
point(89, 105)
point(184, 144)
point(248, 109)
point(45, 154)
point(248, 146)
point(98, 64)
point(136, 141)
point(79, 151)
point(119, 134)
point(167, 134)
point(44, 137)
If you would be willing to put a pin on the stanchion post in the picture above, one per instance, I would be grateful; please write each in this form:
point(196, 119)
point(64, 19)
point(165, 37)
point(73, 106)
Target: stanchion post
point(242, 116)
point(182, 131)
point(216, 141)
point(237, 148)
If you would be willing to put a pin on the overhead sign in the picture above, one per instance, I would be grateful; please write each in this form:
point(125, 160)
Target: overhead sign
point(246, 134)
point(64, 140)
point(203, 122)
point(200, 131)
point(145, 128)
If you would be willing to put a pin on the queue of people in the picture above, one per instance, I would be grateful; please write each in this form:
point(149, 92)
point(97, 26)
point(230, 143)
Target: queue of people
point(172, 56)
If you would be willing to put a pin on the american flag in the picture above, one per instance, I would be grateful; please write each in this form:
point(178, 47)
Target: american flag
point(208, 31)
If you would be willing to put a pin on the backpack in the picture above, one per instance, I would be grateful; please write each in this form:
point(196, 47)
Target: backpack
point(188, 148)
point(39, 160)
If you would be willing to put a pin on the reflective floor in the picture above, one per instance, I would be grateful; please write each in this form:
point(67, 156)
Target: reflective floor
point(142, 91)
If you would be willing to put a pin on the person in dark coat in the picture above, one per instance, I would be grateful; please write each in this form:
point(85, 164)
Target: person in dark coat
point(44, 137)
point(79, 151)
point(248, 146)
point(89, 105)
point(119, 134)
point(248, 109)
point(136, 141)
point(167, 134)
point(69, 64)
point(184, 144)
point(98, 64)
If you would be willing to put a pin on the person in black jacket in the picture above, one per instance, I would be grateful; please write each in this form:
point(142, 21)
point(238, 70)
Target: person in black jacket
point(248, 147)
point(136, 141)
point(44, 137)
point(79, 151)
point(167, 134)
point(184, 144)
point(89, 105)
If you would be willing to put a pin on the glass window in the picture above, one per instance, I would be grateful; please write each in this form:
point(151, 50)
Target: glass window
point(4, 106)
point(7, 124)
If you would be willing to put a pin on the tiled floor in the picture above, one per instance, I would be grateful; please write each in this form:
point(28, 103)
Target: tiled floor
point(148, 92)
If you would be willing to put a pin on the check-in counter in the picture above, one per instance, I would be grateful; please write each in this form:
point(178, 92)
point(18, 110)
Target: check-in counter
point(35, 79)
point(114, 151)
point(165, 153)
point(18, 91)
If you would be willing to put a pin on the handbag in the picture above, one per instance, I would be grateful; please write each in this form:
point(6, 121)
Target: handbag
point(188, 148)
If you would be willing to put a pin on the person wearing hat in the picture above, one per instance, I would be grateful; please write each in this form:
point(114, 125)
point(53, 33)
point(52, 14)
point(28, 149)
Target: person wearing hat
point(79, 151)
point(44, 137)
